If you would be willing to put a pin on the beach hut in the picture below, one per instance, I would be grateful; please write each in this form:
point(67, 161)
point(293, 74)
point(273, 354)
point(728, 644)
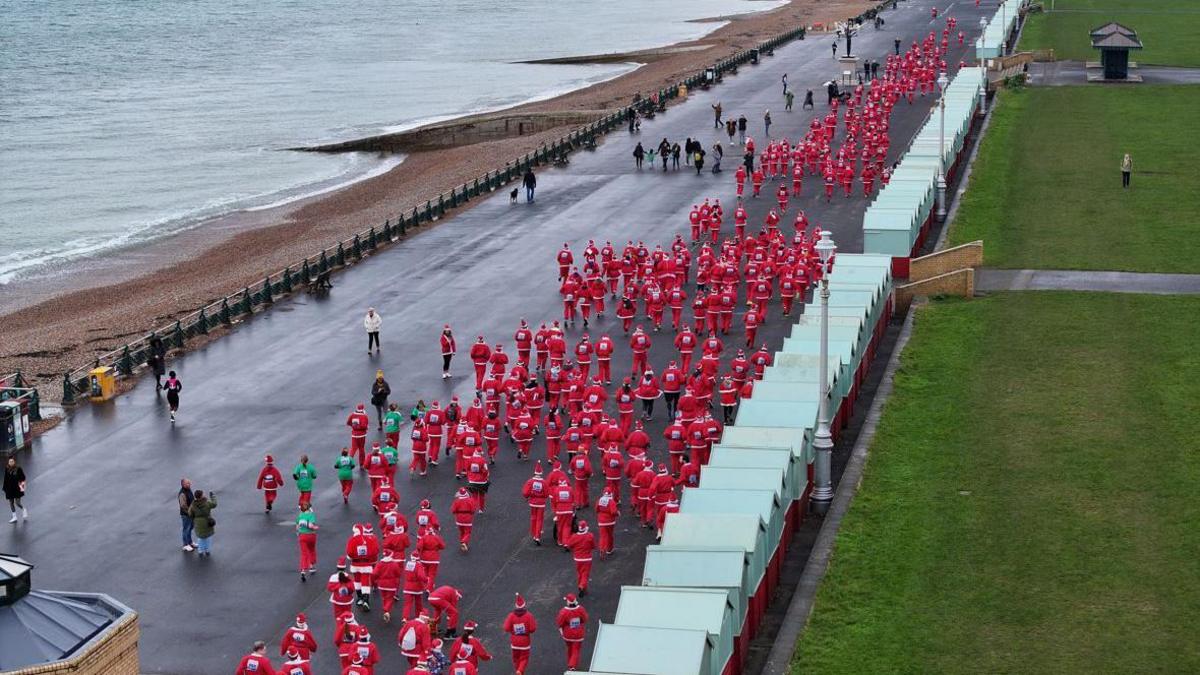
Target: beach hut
point(795, 480)
point(764, 503)
point(723, 569)
point(684, 608)
point(773, 515)
point(640, 650)
point(745, 531)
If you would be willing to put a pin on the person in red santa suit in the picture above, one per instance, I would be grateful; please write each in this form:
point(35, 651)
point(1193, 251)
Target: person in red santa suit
point(536, 492)
point(269, 480)
point(675, 435)
point(414, 638)
point(672, 506)
point(362, 549)
point(429, 547)
point(463, 509)
point(689, 475)
point(641, 486)
point(572, 626)
point(541, 345)
point(520, 626)
point(377, 466)
point(444, 601)
point(757, 180)
point(613, 466)
point(478, 479)
point(604, 350)
point(524, 339)
point(607, 511)
point(295, 664)
point(415, 583)
point(388, 574)
point(471, 646)
point(358, 423)
point(625, 397)
point(341, 589)
point(662, 488)
point(256, 662)
point(479, 355)
point(582, 543)
point(781, 195)
point(760, 360)
point(565, 260)
point(639, 343)
point(647, 391)
point(365, 654)
point(420, 448)
point(346, 644)
point(685, 342)
point(385, 496)
point(435, 421)
point(298, 638)
point(490, 433)
point(581, 472)
point(563, 502)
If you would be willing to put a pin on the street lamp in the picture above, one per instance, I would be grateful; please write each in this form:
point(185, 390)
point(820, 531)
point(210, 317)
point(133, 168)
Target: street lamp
point(822, 494)
point(942, 81)
point(1004, 32)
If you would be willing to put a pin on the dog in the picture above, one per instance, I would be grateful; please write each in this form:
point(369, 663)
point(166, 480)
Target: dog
point(512, 196)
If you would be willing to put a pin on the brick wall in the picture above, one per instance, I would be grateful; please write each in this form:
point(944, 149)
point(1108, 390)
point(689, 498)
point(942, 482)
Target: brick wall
point(945, 261)
point(959, 282)
point(115, 652)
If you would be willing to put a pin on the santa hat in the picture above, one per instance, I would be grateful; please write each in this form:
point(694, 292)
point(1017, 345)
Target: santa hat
point(347, 617)
point(662, 468)
point(571, 599)
point(301, 620)
point(425, 503)
point(424, 616)
point(519, 603)
point(341, 565)
point(293, 653)
point(269, 459)
point(375, 445)
point(462, 492)
point(537, 468)
point(470, 625)
point(364, 635)
point(445, 326)
point(436, 645)
point(583, 526)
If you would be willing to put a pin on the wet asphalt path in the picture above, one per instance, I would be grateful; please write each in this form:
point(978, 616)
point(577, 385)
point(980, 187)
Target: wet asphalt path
point(102, 484)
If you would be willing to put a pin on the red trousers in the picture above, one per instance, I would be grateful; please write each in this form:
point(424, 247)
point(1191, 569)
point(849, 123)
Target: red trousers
point(448, 610)
point(435, 447)
point(358, 449)
point(562, 523)
point(685, 361)
point(552, 448)
point(388, 598)
point(615, 484)
point(308, 550)
point(639, 363)
point(583, 572)
point(537, 519)
point(412, 605)
point(418, 462)
point(269, 498)
point(305, 498)
point(431, 570)
point(479, 370)
point(464, 534)
point(676, 461)
point(582, 498)
point(645, 509)
point(787, 305)
point(520, 659)
point(347, 486)
point(606, 538)
point(573, 649)
point(338, 610)
point(604, 366)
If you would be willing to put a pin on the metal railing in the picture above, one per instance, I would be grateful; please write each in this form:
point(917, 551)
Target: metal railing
point(224, 312)
point(13, 387)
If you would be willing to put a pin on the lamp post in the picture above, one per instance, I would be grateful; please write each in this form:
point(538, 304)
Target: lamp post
point(822, 494)
point(942, 81)
point(1004, 27)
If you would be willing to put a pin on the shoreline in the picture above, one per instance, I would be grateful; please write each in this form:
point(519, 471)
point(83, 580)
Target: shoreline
point(53, 325)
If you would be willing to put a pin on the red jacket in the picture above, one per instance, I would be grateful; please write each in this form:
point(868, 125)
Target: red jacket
point(520, 628)
point(300, 639)
point(358, 423)
point(448, 346)
point(572, 623)
point(475, 650)
point(464, 508)
point(639, 343)
point(388, 574)
point(648, 389)
point(255, 664)
point(414, 578)
point(563, 500)
point(362, 549)
point(582, 544)
point(480, 353)
point(269, 478)
point(416, 631)
point(606, 510)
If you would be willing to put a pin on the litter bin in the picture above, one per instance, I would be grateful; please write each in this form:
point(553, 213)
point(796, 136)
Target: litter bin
point(14, 426)
point(754, 56)
point(710, 75)
point(683, 91)
point(102, 384)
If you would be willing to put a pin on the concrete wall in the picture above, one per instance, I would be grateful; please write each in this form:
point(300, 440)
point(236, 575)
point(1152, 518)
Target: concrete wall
point(114, 652)
point(464, 131)
point(959, 282)
point(946, 260)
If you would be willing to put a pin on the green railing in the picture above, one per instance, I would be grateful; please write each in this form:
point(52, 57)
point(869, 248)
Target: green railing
point(224, 312)
point(13, 387)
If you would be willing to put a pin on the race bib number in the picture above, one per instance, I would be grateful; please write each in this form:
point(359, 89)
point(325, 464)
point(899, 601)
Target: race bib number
point(518, 629)
point(360, 550)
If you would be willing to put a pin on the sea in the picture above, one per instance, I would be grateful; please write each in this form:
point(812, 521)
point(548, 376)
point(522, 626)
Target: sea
point(122, 121)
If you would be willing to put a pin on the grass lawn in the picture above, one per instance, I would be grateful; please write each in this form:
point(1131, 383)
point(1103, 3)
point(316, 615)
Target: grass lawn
point(1045, 191)
point(1169, 29)
point(1030, 502)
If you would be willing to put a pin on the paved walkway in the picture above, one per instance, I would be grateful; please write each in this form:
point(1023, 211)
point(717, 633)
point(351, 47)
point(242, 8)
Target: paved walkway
point(1073, 73)
point(1074, 280)
point(102, 484)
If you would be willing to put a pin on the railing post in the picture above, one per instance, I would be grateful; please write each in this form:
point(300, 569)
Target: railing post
point(225, 317)
point(441, 206)
point(372, 243)
point(287, 280)
point(68, 397)
point(247, 305)
point(304, 273)
point(341, 255)
point(357, 248)
point(177, 335)
point(125, 363)
point(324, 263)
point(203, 322)
point(266, 291)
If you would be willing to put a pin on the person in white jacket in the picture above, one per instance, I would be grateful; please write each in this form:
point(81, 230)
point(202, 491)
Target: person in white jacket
point(372, 322)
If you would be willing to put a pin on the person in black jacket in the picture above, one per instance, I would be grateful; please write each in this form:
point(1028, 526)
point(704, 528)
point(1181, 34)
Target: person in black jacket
point(530, 182)
point(380, 390)
point(14, 488)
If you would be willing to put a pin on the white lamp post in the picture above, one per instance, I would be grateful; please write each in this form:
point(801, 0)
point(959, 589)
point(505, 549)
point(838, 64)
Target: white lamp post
point(822, 494)
point(1004, 26)
point(942, 81)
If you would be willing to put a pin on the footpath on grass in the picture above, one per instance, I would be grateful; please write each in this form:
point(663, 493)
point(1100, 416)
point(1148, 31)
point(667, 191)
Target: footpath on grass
point(1071, 280)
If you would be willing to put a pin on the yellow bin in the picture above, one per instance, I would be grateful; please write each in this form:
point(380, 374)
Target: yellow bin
point(102, 384)
point(683, 91)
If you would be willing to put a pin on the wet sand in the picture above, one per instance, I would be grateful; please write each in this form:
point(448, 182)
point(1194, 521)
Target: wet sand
point(52, 325)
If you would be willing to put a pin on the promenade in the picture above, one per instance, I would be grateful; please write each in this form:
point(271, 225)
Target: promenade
point(103, 483)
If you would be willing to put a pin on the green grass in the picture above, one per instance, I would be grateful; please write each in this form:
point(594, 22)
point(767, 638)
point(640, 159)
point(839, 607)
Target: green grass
point(1045, 190)
point(1030, 501)
point(1169, 29)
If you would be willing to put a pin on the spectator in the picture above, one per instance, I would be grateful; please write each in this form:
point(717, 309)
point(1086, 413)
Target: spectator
point(1126, 170)
point(639, 155)
point(530, 182)
point(14, 488)
point(380, 390)
point(203, 522)
point(186, 497)
point(372, 322)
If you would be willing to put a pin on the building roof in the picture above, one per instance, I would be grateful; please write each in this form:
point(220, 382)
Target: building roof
point(1113, 35)
point(46, 626)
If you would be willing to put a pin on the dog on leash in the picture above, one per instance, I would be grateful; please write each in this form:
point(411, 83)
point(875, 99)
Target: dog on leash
point(512, 196)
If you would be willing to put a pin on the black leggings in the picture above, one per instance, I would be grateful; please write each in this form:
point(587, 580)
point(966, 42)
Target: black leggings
point(648, 406)
point(672, 401)
point(1125, 179)
point(14, 504)
point(372, 339)
point(446, 362)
